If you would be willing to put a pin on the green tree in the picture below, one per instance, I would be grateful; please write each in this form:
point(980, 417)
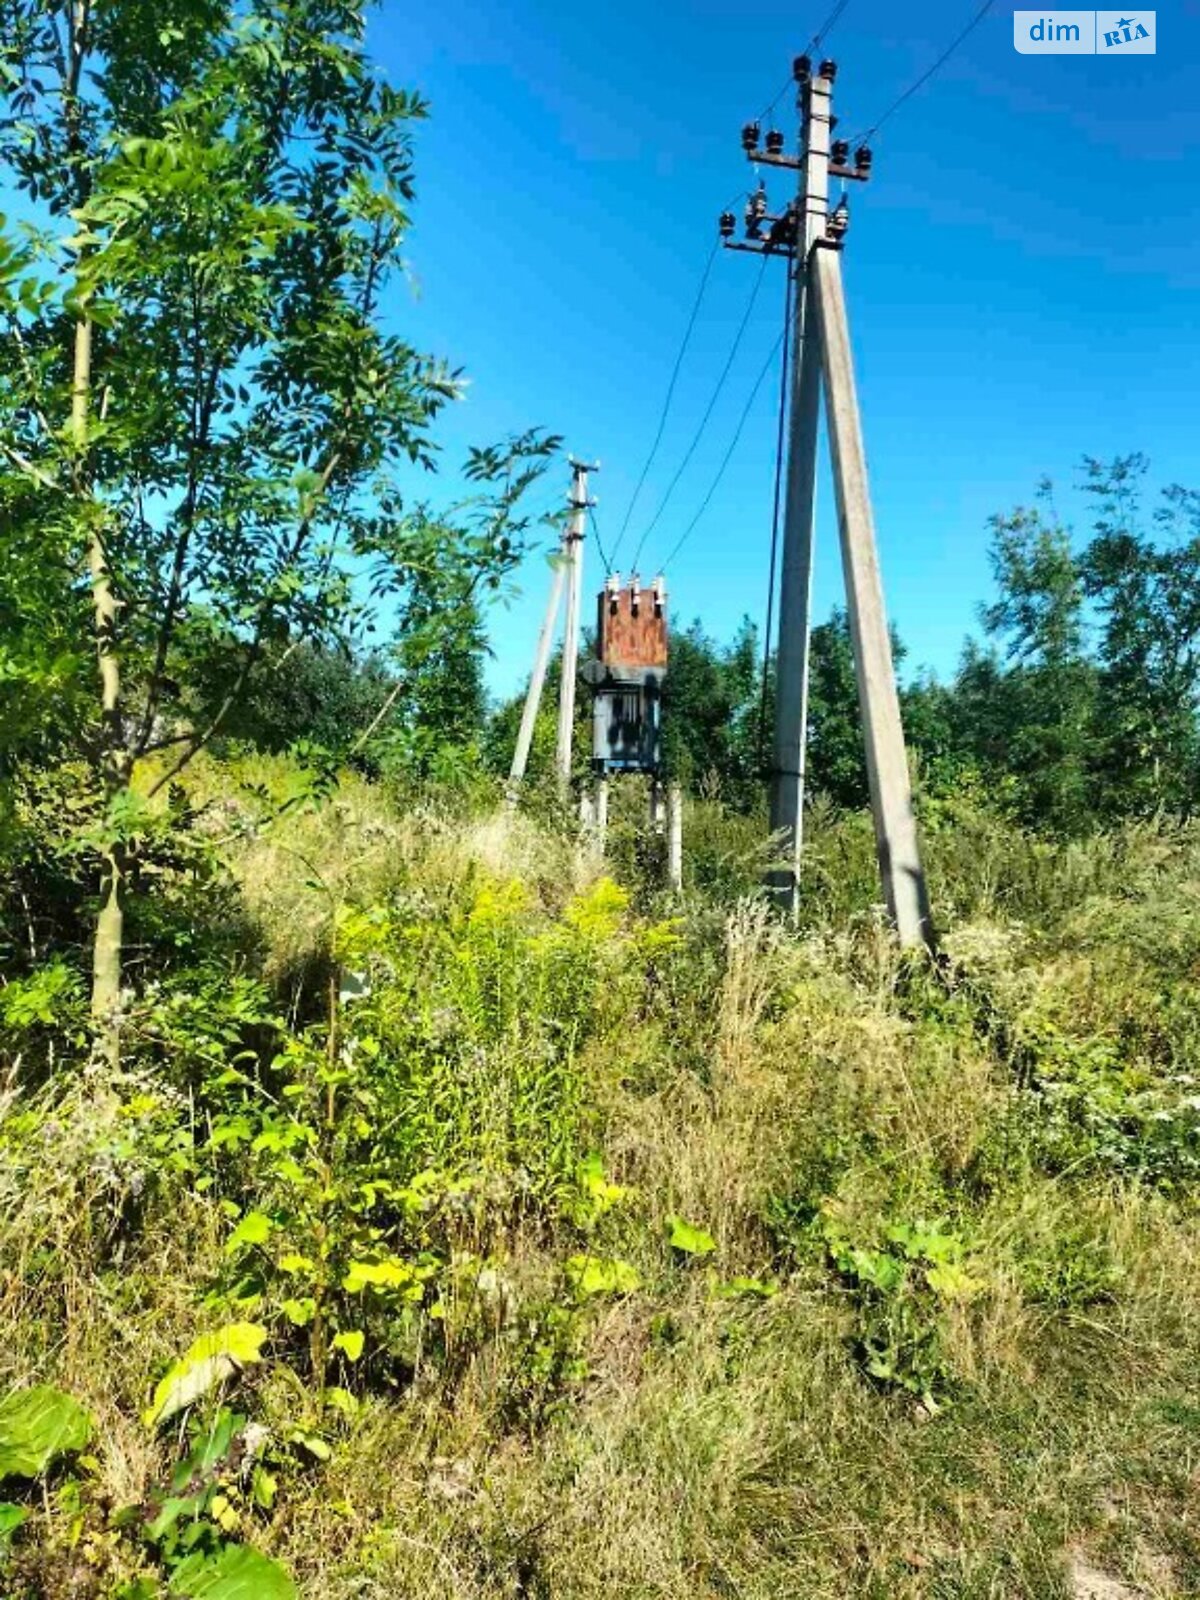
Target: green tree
point(1028, 714)
point(711, 708)
point(1085, 707)
point(328, 697)
point(837, 765)
point(1146, 589)
point(932, 730)
point(203, 417)
point(440, 659)
point(43, 626)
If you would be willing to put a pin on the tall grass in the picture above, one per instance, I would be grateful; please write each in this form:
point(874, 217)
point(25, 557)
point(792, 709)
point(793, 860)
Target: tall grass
point(817, 1406)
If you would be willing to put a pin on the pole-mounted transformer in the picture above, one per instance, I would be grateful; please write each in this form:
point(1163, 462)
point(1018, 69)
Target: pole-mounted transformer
point(627, 680)
point(627, 676)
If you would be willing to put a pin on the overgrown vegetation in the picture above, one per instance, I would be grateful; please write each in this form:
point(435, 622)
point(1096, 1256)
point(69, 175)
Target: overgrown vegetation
point(473, 1225)
point(205, 421)
point(396, 1198)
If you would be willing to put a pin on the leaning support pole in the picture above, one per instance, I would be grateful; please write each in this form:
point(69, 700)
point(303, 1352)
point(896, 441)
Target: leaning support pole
point(879, 703)
point(533, 698)
point(570, 659)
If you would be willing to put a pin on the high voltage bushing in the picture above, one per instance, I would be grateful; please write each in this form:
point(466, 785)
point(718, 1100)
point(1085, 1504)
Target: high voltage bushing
point(839, 161)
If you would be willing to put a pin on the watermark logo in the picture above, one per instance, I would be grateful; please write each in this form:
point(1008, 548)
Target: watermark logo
point(1084, 33)
point(1127, 35)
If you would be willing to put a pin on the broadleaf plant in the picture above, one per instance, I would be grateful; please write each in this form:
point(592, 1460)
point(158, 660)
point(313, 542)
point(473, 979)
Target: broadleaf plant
point(207, 431)
point(212, 1358)
point(37, 1426)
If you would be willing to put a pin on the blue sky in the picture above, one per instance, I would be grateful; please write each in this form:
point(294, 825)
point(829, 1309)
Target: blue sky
point(1023, 273)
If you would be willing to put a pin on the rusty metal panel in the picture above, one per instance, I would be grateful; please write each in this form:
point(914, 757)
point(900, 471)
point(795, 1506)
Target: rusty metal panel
point(632, 626)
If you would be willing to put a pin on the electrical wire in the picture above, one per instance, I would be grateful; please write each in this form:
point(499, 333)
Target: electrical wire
point(763, 116)
point(826, 27)
point(608, 566)
point(770, 624)
point(728, 456)
point(814, 43)
point(766, 111)
point(708, 411)
point(666, 405)
point(706, 273)
point(926, 75)
point(553, 511)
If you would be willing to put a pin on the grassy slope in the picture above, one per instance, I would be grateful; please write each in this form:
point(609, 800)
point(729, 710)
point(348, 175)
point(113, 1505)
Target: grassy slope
point(796, 1098)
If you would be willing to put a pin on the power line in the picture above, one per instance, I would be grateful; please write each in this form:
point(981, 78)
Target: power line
point(608, 566)
point(818, 38)
point(779, 94)
point(675, 370)
point(926, 75)
point(691, 323)
point(553, 510)
point(696, 437)
point(666, 405)
point(763, 115)
point(813, 44)
point(728, 456)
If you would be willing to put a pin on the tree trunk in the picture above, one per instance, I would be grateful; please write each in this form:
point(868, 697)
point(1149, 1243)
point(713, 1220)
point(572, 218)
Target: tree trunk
point(106, 954)
point(115, 761)
point(115, 764)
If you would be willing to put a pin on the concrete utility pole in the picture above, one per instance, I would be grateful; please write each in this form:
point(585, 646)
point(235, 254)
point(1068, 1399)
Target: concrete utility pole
point(795, 592)
point(573, 563)
point(533, 697)
point(568, 574)
point(810, 239)
point(900, 868)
